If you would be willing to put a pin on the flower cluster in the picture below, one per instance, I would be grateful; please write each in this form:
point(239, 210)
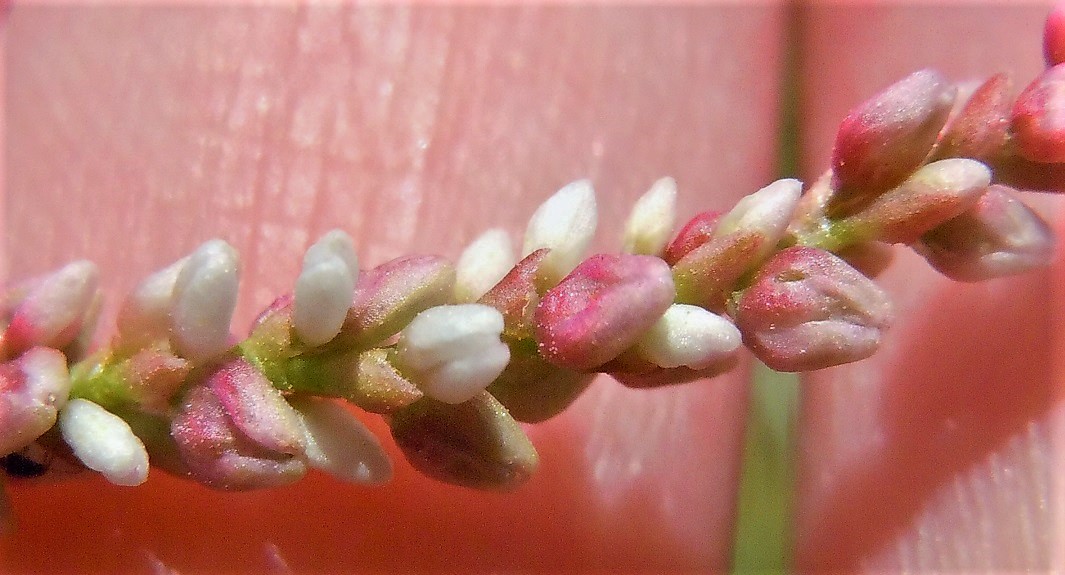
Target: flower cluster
point(454, 356)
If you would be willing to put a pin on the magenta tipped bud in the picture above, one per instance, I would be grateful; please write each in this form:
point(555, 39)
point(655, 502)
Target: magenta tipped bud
point(934, 194)
point(235, 431)
point(881, 142)
point(978, 129)
point(698, 231)
point(1038, 122)
point(33, 388)
point(53, 311)
point(516, 296)
point(1054, 36)
point(999, 236)
point(807, 309)
point(601, 309)
point(389, 296)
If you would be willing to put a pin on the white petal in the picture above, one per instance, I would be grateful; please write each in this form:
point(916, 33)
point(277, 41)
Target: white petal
point(205, 295)
point(651, 222)
point(691, 336)
point(145, 315)
point(334, 243)
point(324, 292)
point(566, 224)
point(452, 352)
point(768, 210)
point(482, 264)
point(104, 442)
point(338, 443)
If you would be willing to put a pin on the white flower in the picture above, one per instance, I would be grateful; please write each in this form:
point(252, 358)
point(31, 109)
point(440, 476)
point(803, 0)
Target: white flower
point(325, 288)
point(565, 223)
point(145, 314)
point(690, 336)
point(338, 443)
point(482, 264)
point(650, 224)
point(104, 442)
point(452, 352)
point(205, 294)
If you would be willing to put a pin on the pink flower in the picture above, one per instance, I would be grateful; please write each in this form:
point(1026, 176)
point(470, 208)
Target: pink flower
point(1038, 122)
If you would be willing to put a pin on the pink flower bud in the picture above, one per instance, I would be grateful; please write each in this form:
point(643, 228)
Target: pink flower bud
point(473, 444)
point(1038, 122)
point(698, 231)
point(601, 309)
point(999, 236)
point(807, 309)
point(707, 274)
point(1054, 36)
point(53, 310)
point(235, 431)
point(881, 142)
point(934, 194)
point(33, 388)
point(390, 295)
point(515, 296)
point(978, 129)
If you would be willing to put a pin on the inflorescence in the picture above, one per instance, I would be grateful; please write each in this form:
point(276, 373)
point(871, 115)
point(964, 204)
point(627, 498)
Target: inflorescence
point(453, 356)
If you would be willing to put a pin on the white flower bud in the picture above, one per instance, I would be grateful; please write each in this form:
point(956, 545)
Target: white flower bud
point(768, 210)
point(651, 222)
point(482, 264)
point(205, 295)
point(325, 288)
point(338, 443)
point(35, 386)
point(104, 442)
point(565, 223)
point(53, 311)
point(145, 315)
point(689, 336)
point(452, 352)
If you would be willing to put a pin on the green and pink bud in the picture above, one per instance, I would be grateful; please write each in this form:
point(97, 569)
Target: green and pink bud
point(881, 142)
point(33, 388)
point(807, 309)
point(998, 236)
point(516, 296)
point(235, 431)
point(1038, 122)
point(978, 128)
point(602, 309)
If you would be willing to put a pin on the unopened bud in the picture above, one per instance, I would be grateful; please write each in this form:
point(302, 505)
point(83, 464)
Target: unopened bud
point(205, 295)
point(53, 311)
point(391, 294)
point(807, 309)
point(934, 194)
point(1038, 123)
point(339, 444)
point(698, 231)
point(689, 336)
point(452, 352)
point(235, 431)
point(882, 141)
point(325, 288)
point(601, 309)
point(741, 239)
point(33, 388)
point(1054, 36)
point(534, 390)
point(999, 236)
point(651, 221)
point(144, 317)
point(516, 296)
point(565, 224)
point(482, 265)
point(474, 444)
point(104, 442)
point(366, 378)
point(977, 130)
